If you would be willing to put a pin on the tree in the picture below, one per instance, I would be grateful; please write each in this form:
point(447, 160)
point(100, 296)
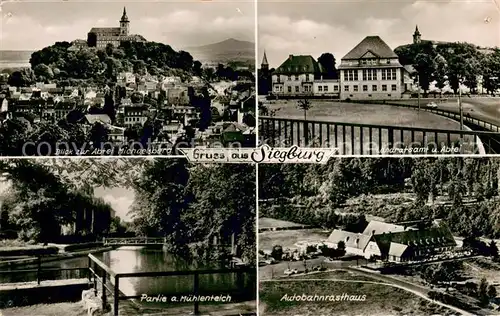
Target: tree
point(198, 71)
point(305, 105)
point(277, 252)
point(493, 249)
point(483, 292)
point(424, 65)
point(21, 78)
point(43, 72)
point(492, 291)
point(327, 61)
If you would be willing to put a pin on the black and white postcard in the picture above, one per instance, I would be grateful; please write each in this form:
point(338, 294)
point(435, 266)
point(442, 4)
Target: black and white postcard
point(366, 236)
point(380, 77)
point(127, 237)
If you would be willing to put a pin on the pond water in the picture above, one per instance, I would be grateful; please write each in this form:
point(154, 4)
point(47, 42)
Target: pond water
point(142, 259)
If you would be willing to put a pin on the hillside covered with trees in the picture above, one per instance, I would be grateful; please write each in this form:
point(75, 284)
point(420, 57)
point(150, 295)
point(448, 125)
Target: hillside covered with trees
point(342, 193)
point(62, 64)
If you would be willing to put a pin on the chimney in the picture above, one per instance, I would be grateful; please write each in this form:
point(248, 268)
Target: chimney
point(290, 57)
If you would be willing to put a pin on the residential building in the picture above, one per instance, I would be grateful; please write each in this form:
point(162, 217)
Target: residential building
point(371, 70)
point(125, 78)
point(178, 95)
point(396, 243)
point(135, 114)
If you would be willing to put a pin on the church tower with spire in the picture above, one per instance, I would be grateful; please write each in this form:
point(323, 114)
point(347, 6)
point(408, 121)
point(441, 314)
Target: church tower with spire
point(264, 66)
point(124, 24)
point(416, 36)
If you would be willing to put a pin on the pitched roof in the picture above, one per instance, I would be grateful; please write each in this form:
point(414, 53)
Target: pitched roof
point(377, 227)
point(301, 64)
point(436, 236)
point(373, 44)
point(396, 249)
point(352, 240)
point(101, 118)
point(107, 30)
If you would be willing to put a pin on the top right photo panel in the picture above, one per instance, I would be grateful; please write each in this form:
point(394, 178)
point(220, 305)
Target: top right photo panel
point(379, 77)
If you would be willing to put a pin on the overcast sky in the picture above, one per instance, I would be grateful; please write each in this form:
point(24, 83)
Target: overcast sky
point(32, 25)
point(311, 28)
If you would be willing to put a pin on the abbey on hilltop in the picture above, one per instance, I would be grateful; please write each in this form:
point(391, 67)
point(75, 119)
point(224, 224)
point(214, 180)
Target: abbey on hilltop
point(100, 37)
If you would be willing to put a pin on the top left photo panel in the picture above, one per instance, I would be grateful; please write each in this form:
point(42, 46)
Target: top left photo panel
point(115, 78)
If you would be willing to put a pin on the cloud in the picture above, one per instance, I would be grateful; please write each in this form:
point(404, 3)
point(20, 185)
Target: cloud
point(120, 200)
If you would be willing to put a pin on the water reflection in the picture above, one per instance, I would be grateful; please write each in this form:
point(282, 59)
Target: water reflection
point(141, 259)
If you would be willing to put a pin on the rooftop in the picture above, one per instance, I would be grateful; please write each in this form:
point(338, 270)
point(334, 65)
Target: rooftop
point(373, 44)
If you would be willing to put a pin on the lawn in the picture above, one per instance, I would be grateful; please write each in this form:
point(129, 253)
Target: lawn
point(379, 299)
point(287, 238)
point(349, 140)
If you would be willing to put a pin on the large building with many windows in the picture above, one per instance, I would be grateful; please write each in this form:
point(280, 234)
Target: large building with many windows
point(371, 70)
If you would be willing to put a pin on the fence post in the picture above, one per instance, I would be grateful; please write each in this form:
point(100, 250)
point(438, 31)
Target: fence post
point(88, 270)
point(196, 293)
point(38, 269)
point(116, 295)
point(103, 295)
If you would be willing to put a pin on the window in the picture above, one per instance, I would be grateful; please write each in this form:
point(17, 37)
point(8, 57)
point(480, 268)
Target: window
point(307, 77)
point(393, 87)
point(365, 88)
point(289, 89)
point(296, 88)
point(320, 88)
point(369, 95)
point(388, 61)
point(289, 78)
point(351, 75)
point(296, 77)
point(325, 88)
point(346, 88)
point(374, 87)
point(363, 62)
point(335, 88)
point(384, 87)
point(356, 88)
point(369, 74)
point(388, 95)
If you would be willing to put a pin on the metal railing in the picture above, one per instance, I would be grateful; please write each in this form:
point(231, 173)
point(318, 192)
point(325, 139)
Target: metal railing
point(447, 113)
point(134, 241)
point(359, 139)
point(110, 281)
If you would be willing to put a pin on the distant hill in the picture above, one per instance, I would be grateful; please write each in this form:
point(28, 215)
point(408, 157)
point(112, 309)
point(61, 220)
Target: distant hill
point(225, 51)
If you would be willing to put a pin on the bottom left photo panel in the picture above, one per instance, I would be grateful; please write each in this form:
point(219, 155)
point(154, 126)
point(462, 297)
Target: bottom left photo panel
point(127, 236)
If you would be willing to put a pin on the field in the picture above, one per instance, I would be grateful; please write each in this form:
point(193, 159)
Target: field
point(287, 238)
point(266, 222)
point(378, 114)
point(379, 299)
point(357, 140)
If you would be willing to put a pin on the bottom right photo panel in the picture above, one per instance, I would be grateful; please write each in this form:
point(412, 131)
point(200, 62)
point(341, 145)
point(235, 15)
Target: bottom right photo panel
point(380, 236)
